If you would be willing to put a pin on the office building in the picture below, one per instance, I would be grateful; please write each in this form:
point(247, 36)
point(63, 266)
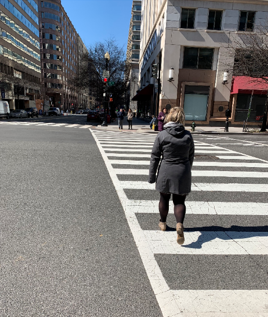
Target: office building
point(189, 44)
point(60, 49)
point(20, 68)
point(133, 52)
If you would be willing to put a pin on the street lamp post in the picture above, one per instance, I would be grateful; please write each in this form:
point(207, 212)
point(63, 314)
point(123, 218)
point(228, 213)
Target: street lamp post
point(107, 60)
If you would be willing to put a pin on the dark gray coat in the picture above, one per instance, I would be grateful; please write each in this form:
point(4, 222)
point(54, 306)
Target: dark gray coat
point(175, 148)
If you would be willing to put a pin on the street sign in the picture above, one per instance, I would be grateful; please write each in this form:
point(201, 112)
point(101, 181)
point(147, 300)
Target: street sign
point(106, 74)
point(111, 83)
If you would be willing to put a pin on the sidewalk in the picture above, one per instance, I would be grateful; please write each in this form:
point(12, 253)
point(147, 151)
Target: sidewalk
point(140, 126)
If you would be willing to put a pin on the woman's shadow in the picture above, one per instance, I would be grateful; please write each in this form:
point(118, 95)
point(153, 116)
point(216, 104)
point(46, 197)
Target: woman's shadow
point(217, 232)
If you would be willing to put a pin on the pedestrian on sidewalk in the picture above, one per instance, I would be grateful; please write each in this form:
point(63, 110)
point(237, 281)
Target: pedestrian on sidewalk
point(120, 116)
point(174, 146)
point(130, 118)
point(161, 118)
point(153, 122)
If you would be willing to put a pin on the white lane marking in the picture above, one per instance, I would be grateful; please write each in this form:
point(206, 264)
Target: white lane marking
point(149, 146)
point(204, 208)
point(209, 242)
point(111, 143)
point(60, 124)
point(124, 140)
point(158, 283)
point(72, 126)
point(128, 155)
point(231, 164)
point(221, 303)
point(238, 157)
point(205, 164)
point(45, 124)
point(225, 174)
point(150, 150)
point(221, 157)
point(85, 127)
point(128, 162)
point(204, 187)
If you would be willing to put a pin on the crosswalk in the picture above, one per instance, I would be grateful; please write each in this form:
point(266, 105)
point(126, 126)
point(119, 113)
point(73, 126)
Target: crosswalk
point(45, 124)
point(221, 271)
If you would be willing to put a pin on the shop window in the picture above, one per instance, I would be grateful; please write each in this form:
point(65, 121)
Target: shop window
point(214, 20)
point(196, 103)
point(246, 21)
point(198, 58)
point(257, 107)
point(187, 18)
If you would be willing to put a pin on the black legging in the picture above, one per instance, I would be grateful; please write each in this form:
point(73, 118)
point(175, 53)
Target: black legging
point(129, 124)
point(179, 207)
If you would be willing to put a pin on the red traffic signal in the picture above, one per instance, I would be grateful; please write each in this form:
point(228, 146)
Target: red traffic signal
point(105, 80)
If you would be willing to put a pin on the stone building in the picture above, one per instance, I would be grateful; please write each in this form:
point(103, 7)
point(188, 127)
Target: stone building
point(133, 52)
point(60, 50)
point(20, 68)
point(188, 41)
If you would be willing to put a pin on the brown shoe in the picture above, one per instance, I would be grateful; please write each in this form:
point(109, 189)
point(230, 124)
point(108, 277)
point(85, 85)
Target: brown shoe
point(162, 226)
point(180, 234)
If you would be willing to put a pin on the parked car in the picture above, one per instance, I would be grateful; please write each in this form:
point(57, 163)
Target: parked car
point(93, 116)
point(86, 111)
point(32, 112)
point(53, 111)
point(18, 113)
point(4, 109)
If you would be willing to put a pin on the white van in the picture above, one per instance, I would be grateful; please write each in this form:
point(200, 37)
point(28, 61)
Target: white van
point(4, 109)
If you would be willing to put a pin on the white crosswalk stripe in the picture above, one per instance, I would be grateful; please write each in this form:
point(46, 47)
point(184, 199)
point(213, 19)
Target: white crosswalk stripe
point(47, 124)
point(216, 239)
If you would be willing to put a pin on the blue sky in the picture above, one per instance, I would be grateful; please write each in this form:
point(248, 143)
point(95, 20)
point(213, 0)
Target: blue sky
point(98, 20)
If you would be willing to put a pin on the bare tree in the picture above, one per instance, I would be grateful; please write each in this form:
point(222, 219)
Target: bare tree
point(90, 74)
point(250, 53)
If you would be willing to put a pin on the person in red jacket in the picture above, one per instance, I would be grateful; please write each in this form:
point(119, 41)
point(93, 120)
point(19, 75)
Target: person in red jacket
point(161, 118)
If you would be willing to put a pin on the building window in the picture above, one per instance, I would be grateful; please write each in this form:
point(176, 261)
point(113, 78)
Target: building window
point(246, 21)
point(136, 37)
point(136, 17)
point(136, 56)
point(135, 46)
point(198, 58)
point(187, 18)
point(137, 7)
point(214, 20)
point(136, 27)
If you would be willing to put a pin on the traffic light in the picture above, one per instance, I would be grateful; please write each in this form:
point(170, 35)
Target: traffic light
point(105, 80)
point(155, 70)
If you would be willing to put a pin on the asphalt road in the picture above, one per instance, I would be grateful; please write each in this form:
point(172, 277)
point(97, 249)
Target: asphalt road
point(66, 248)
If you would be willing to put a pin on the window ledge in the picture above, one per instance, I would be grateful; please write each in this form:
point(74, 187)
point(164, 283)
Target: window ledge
point(245, 32)
point(214, 31)
point(190, 30)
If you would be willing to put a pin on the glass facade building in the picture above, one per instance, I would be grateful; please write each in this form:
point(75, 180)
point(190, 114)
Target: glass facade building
point(133, 51)
point(20, 62)
point(59, 55)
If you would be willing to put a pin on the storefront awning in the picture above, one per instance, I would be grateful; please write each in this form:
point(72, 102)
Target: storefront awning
point(245, 85)
point(146, 91)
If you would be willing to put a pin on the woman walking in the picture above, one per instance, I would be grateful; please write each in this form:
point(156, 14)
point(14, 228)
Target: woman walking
point(129, 118)
point(175, 146)
point(161, 118)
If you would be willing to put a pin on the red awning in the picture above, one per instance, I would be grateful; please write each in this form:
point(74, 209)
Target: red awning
point(245, 85)
point(147, 91)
